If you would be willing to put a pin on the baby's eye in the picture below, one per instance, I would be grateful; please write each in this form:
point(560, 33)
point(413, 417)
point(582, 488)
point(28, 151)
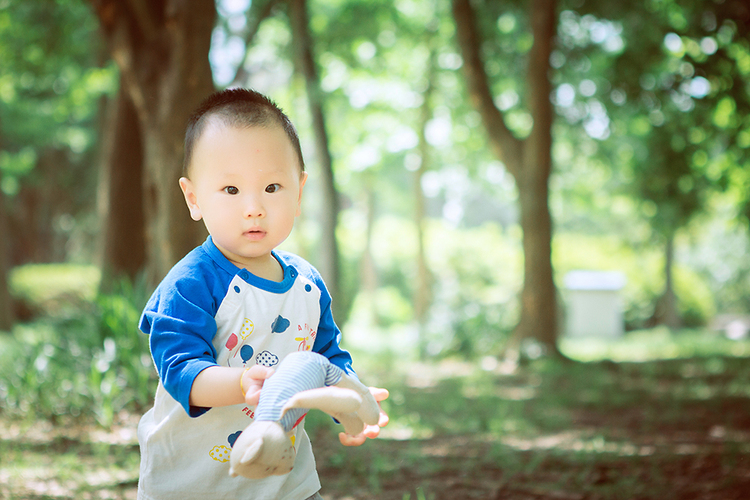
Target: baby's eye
point(231, 190)
point(272, 188)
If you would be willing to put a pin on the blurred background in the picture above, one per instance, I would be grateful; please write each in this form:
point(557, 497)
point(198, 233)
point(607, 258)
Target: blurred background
point(532, 216)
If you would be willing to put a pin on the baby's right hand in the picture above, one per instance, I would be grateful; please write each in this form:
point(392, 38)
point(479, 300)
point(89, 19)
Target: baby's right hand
point(252, 382)
point(370, 431)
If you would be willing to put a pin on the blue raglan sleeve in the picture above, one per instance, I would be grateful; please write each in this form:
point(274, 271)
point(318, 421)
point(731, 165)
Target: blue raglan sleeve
point(179, 319)
point(328, 338)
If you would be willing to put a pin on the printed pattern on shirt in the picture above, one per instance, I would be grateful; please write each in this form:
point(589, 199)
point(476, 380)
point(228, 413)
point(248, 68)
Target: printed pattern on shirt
point(254, 326)
point(298, 373)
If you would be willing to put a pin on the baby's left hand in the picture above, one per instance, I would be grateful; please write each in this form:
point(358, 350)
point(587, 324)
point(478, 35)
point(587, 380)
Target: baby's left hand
point(370, 431)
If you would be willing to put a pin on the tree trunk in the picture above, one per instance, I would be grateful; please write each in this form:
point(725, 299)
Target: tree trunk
point(328, 261)
point(36, 207)
point(423, 283)
point(120, 196)
point(666, 309)
point(368, 271)
point(528, 160)
point(161, 48)
point(539, 298)
point(6, 307)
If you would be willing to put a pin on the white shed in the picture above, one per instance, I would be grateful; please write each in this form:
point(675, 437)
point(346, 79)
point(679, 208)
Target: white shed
point(594, 306)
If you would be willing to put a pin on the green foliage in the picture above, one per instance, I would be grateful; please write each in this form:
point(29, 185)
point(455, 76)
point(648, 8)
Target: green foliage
point(644, 271)
point(83, 358)
point(717, 251)
point(585, 427)
point(669, 95)
point(419, 495)
point(477, 274)
point(50, 85)
point(474, 305)
point(128, 355)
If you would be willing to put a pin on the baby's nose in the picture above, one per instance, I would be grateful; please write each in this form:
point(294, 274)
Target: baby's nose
point(254, 208)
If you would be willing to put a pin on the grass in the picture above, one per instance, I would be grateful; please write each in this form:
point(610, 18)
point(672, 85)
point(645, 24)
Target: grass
point(53, 286)
point(653, 415)
point(655, 344)
point(675, 425)
point(42, 461)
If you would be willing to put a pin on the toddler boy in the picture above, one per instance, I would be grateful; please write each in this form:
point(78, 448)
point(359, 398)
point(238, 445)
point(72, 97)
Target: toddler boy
point(233, 308)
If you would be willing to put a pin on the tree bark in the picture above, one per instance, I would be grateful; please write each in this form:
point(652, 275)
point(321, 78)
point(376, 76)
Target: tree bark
point(36, 207)
point(528, 160)
point(6, 308)
point(539, 297)
point(328, 260)
point(423, 284)
point(666, 307)
point(120, 196)
point(161, 48)
point(368, 271)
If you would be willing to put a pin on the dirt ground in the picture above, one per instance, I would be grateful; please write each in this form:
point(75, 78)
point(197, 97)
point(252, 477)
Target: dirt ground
point(639, 432)
point(707, 464)
point(677, 429)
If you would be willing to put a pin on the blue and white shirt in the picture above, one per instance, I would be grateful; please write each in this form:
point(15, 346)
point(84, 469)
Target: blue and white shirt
point(206, 312)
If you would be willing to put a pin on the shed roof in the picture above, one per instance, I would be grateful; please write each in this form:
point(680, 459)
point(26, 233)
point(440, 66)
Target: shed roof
point(595, 280)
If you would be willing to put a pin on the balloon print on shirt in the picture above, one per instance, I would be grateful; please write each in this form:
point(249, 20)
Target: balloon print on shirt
point(280, 324)
point(221, 453)
point(246, 352)
point(233, 341)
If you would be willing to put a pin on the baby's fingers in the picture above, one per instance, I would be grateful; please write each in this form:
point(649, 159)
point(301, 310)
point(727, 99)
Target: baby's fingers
point(252, 382)
point(349, 440)
point(259, 372)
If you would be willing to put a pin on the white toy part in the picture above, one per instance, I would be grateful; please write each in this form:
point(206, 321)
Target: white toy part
point(263, 449)
point(303, 381)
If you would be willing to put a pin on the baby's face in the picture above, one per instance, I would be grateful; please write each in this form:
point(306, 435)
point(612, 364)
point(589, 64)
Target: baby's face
point(246, 184)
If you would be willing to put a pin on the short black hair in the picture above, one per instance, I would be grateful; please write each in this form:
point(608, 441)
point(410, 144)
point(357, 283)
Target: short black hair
point(238, 107)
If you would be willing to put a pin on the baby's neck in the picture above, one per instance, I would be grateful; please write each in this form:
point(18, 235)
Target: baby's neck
point(269, 269)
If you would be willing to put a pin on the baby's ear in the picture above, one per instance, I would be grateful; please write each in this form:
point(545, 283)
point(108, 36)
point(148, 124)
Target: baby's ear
point(302, 181)
point(188, 191)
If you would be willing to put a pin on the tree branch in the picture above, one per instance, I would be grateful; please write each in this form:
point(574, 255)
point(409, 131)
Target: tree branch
point(117, 21)
point(507, 147)
point(262, 10)
point(543, 19)
point(305, 62)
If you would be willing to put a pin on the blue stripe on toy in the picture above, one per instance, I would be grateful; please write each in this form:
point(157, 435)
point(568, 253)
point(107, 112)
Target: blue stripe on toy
point(299, 371)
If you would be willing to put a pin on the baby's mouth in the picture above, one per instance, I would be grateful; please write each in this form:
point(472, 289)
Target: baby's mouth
point(255, 234)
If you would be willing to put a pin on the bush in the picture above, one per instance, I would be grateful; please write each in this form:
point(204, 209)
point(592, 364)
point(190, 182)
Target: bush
point(89, 361)
point(476, 290)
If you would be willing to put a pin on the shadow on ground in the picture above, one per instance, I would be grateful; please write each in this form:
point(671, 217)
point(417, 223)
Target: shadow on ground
point(659, 430)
